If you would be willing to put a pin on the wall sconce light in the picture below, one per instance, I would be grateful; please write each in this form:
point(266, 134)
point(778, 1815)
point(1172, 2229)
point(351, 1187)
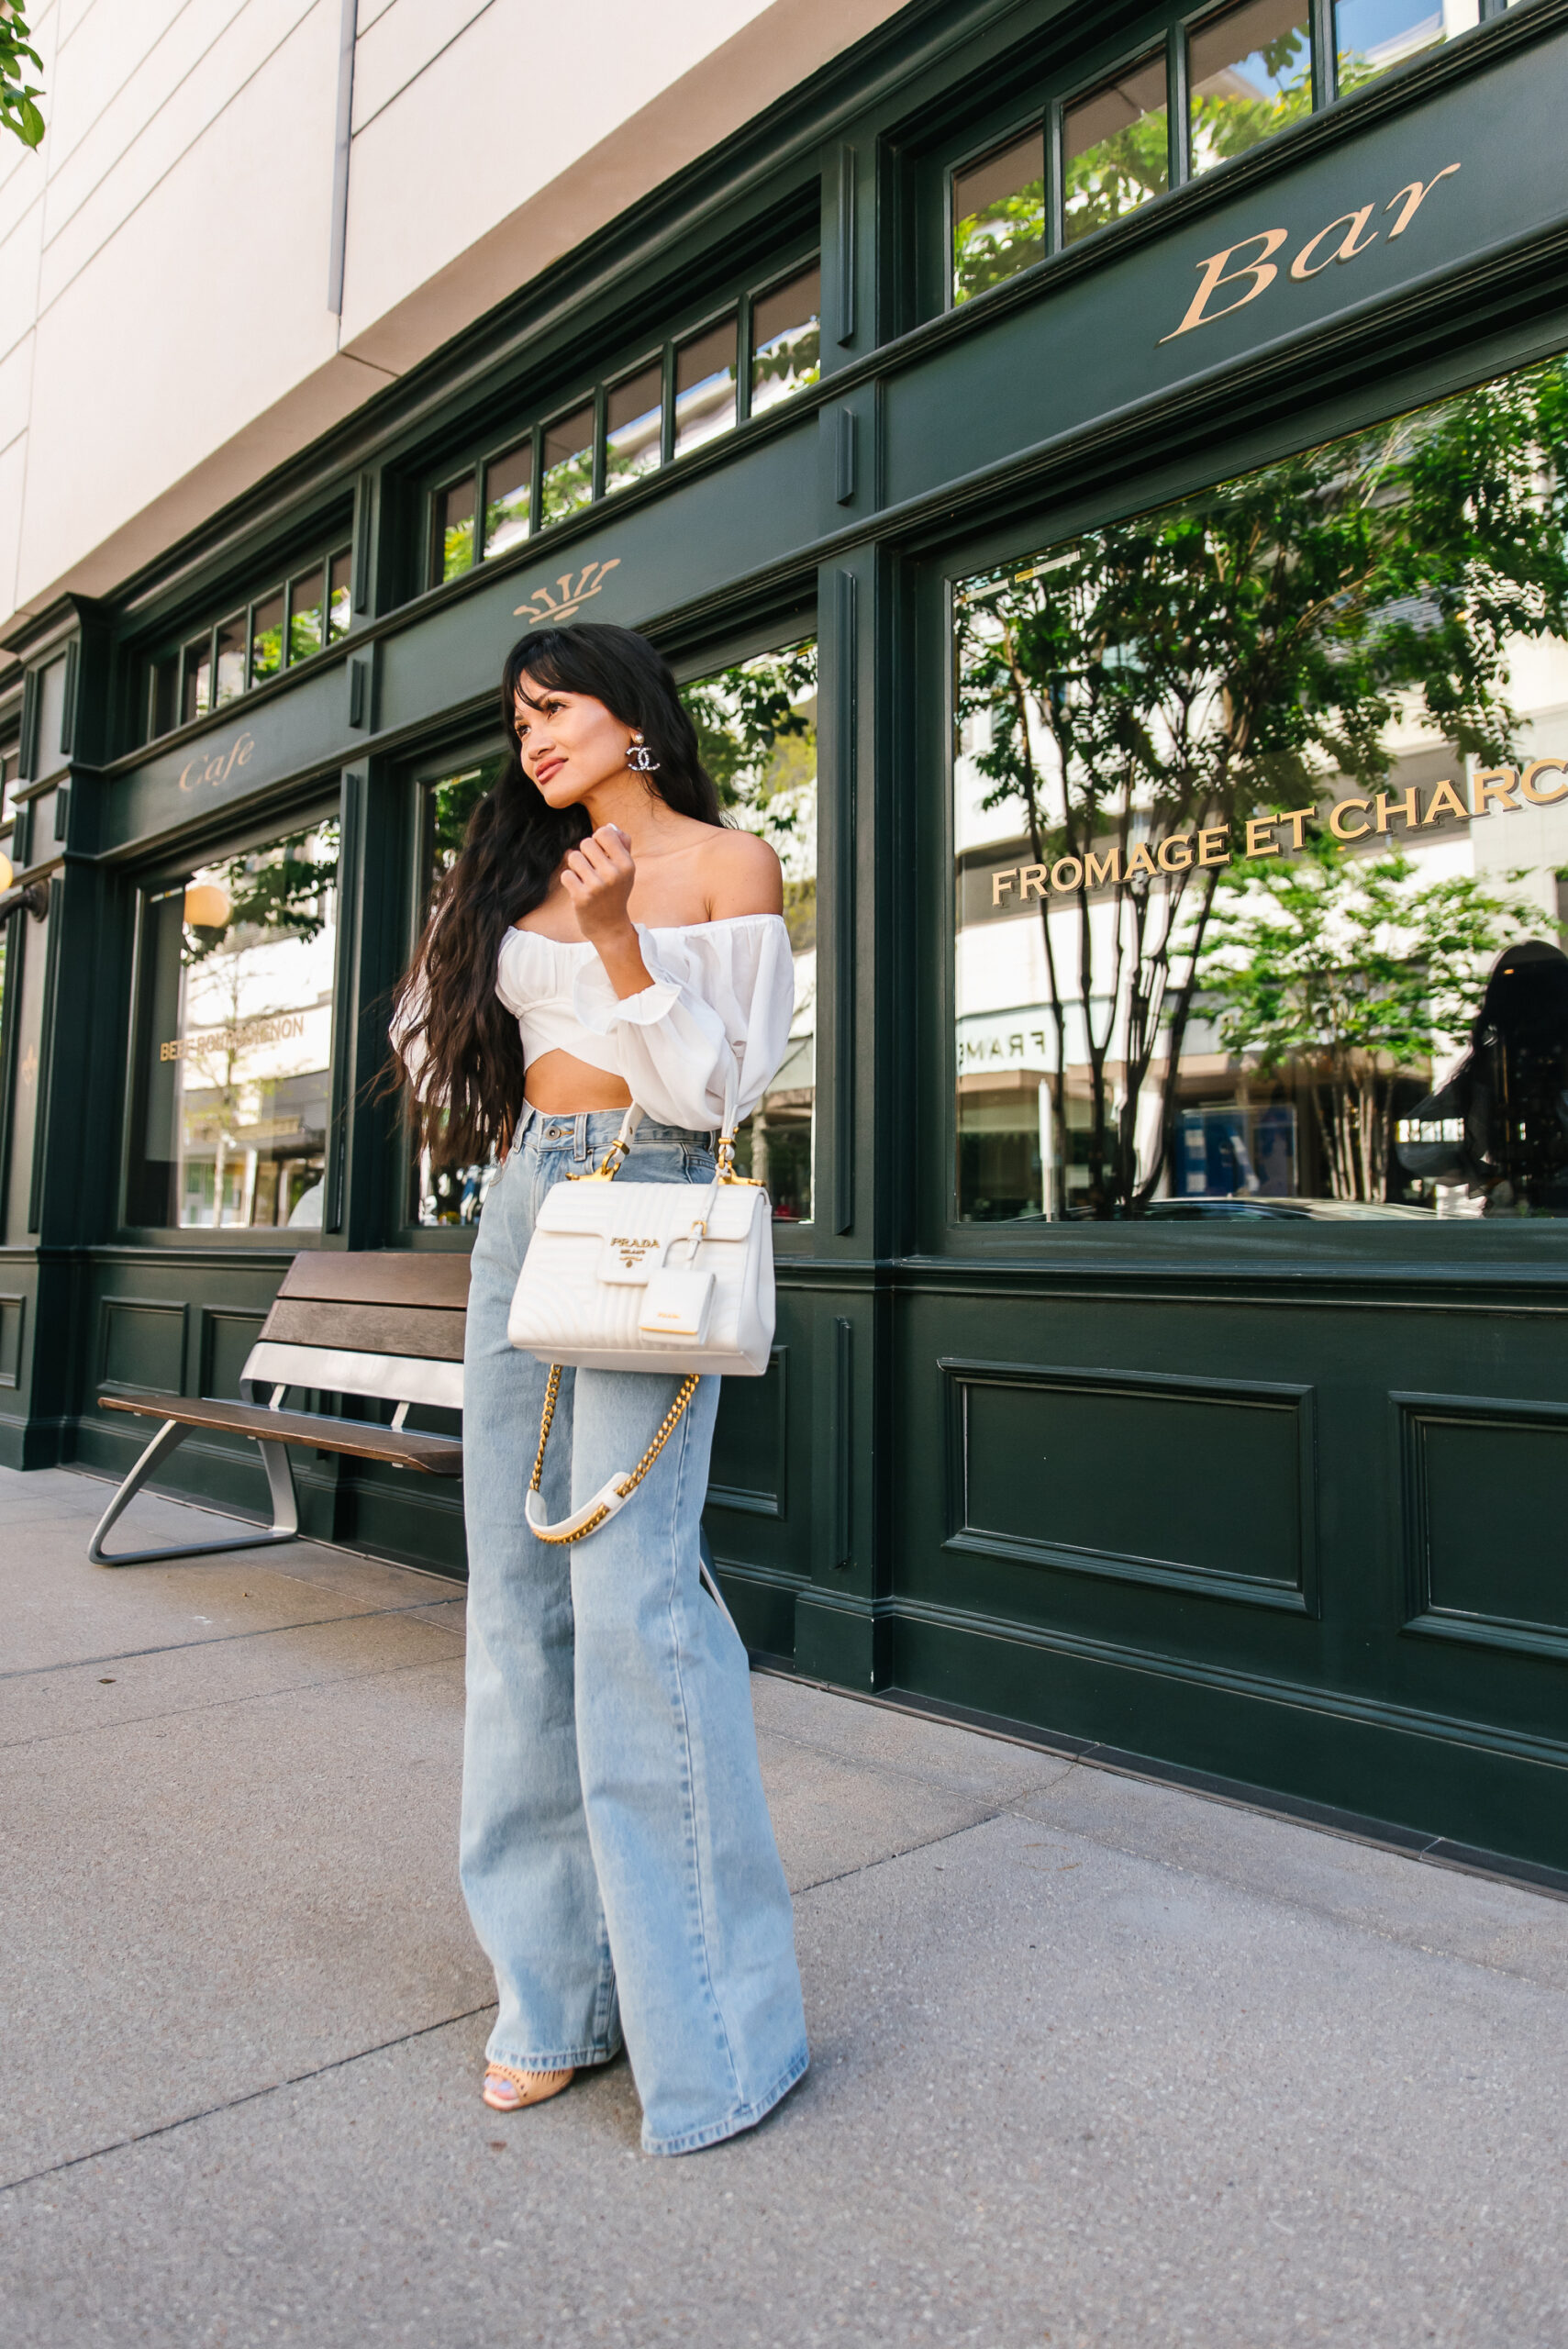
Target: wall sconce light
point(208, 904)
point(34, 895)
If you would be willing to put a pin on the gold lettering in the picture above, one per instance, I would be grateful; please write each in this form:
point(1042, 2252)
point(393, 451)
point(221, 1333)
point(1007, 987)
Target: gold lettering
point(1140, 862)
point(1339, 827)
point(1298, 819)
point(245, 745)
point(1495, 783)
point(1257, 826)
point(1347, 249)
point(1211, 848)
point(1071, 868)
point(1528, 782)
point(1098, 870)
point(1262, 273)
point(1409, 807)
point(186, 782)
point(999, 881)
point(1444, 801)
point(1169, 862)
point(1032, 882)
point(1410, 200)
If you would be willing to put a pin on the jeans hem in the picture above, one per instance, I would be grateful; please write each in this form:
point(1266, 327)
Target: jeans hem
point(744, 2116)
point(569, 2059)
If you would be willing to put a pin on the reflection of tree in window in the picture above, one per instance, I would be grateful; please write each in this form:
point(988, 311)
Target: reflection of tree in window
point(567, 481)
point(998, 216)
point(786, 340)
point(1251, 651)
point(756, 725)
point(1371, 36)
point(254, 1026)
point(1115, 149)
point(1345, 968)
point(1251, 75)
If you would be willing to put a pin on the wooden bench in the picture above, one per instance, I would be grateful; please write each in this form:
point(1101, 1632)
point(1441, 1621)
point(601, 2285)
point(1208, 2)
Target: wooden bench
point(385, 1324)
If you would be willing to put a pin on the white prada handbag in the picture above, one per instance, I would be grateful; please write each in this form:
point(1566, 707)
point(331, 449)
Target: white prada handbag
point(657, 1276)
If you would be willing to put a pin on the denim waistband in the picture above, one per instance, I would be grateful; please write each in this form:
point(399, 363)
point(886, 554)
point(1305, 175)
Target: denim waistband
point(582, 1131)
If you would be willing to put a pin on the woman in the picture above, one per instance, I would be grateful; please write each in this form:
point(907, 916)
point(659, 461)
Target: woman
point(603, 938)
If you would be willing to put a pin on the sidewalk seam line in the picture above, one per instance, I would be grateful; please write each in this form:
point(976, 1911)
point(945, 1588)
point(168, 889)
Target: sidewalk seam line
point(252, 2096)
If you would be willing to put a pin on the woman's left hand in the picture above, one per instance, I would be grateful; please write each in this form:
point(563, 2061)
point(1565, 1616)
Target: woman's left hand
point(597, 878)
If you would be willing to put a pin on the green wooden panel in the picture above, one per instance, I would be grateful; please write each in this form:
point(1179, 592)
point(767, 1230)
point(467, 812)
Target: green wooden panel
point(226, 1339)
point(1171, 1480)
point(1483, 1484)
point(12, 1310)
point(142, 1344)
point(749, 1443)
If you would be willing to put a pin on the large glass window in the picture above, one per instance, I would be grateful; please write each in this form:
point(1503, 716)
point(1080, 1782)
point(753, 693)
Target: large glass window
point(1261, 816)
point(757, 726)
point(235, 1040)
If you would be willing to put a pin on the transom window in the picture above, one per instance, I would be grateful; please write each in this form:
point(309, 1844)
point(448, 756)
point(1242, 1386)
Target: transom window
point(309, 608)
point(755, 350)
point(1128, 134)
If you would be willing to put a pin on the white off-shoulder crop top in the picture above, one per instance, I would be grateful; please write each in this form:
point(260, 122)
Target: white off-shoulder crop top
point(699, 1047)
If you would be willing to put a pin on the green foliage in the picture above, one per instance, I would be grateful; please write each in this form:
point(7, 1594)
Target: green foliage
point(1223, 127)
point(789, 360)
point(450, 804)
point(1232, 653)
point(17, 111)
point(282, 891)
point(1337, 965)
point(1116, 176)
point(993, 245)
point(756, 725)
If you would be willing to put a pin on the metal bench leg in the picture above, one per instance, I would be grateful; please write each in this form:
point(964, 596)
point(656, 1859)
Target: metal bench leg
point(280, 1478)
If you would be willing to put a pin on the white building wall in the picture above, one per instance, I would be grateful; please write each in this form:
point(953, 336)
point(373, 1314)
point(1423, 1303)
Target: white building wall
point(165, 338)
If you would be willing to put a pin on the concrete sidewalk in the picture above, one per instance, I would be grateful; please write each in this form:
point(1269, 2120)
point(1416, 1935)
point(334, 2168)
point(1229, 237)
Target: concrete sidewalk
point(1236, 2082)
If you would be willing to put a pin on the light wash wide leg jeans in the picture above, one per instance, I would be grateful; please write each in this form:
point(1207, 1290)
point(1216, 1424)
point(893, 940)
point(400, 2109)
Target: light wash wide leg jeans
point(616, 1854)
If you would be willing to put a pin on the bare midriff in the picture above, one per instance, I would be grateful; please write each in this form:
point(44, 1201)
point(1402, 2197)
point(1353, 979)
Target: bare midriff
point(561, 1081)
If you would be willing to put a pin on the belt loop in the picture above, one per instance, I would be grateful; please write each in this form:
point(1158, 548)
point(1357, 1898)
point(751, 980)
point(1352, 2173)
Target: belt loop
point(579, 1134)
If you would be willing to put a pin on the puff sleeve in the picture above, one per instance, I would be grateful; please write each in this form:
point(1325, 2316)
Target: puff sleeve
point(700, 1046)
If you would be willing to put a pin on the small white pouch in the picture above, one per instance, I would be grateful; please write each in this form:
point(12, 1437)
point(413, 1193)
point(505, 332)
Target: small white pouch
point(676, 1303)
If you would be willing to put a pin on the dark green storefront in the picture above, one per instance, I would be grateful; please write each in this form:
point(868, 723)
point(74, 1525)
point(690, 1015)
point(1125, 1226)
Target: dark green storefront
point(1124, 1387)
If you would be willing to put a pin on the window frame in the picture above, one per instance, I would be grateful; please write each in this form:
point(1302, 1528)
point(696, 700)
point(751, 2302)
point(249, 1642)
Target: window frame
point(177, 644)
point(935, 1232)
point(1053, 91)
point(531, 422)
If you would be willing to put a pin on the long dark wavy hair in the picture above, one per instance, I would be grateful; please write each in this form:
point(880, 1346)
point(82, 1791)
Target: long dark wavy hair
point(457, 1045)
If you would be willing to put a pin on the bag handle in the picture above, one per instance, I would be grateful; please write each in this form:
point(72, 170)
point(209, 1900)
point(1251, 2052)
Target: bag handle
point(610, 1497)
point(614, 1158)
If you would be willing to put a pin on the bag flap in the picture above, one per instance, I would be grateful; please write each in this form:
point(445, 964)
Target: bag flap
point(651, 1210)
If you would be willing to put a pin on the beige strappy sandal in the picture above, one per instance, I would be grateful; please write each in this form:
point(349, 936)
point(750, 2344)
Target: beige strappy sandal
point(506, 2090)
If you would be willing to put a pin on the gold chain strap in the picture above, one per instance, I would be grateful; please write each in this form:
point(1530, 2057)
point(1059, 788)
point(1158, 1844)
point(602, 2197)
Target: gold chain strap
point(671, 1421)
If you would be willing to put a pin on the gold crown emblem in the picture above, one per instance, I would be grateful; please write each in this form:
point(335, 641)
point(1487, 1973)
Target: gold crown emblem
point(542, 606)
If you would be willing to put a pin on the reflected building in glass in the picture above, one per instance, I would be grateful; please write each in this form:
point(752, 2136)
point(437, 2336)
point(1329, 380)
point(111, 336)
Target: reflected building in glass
point(1204, 968)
